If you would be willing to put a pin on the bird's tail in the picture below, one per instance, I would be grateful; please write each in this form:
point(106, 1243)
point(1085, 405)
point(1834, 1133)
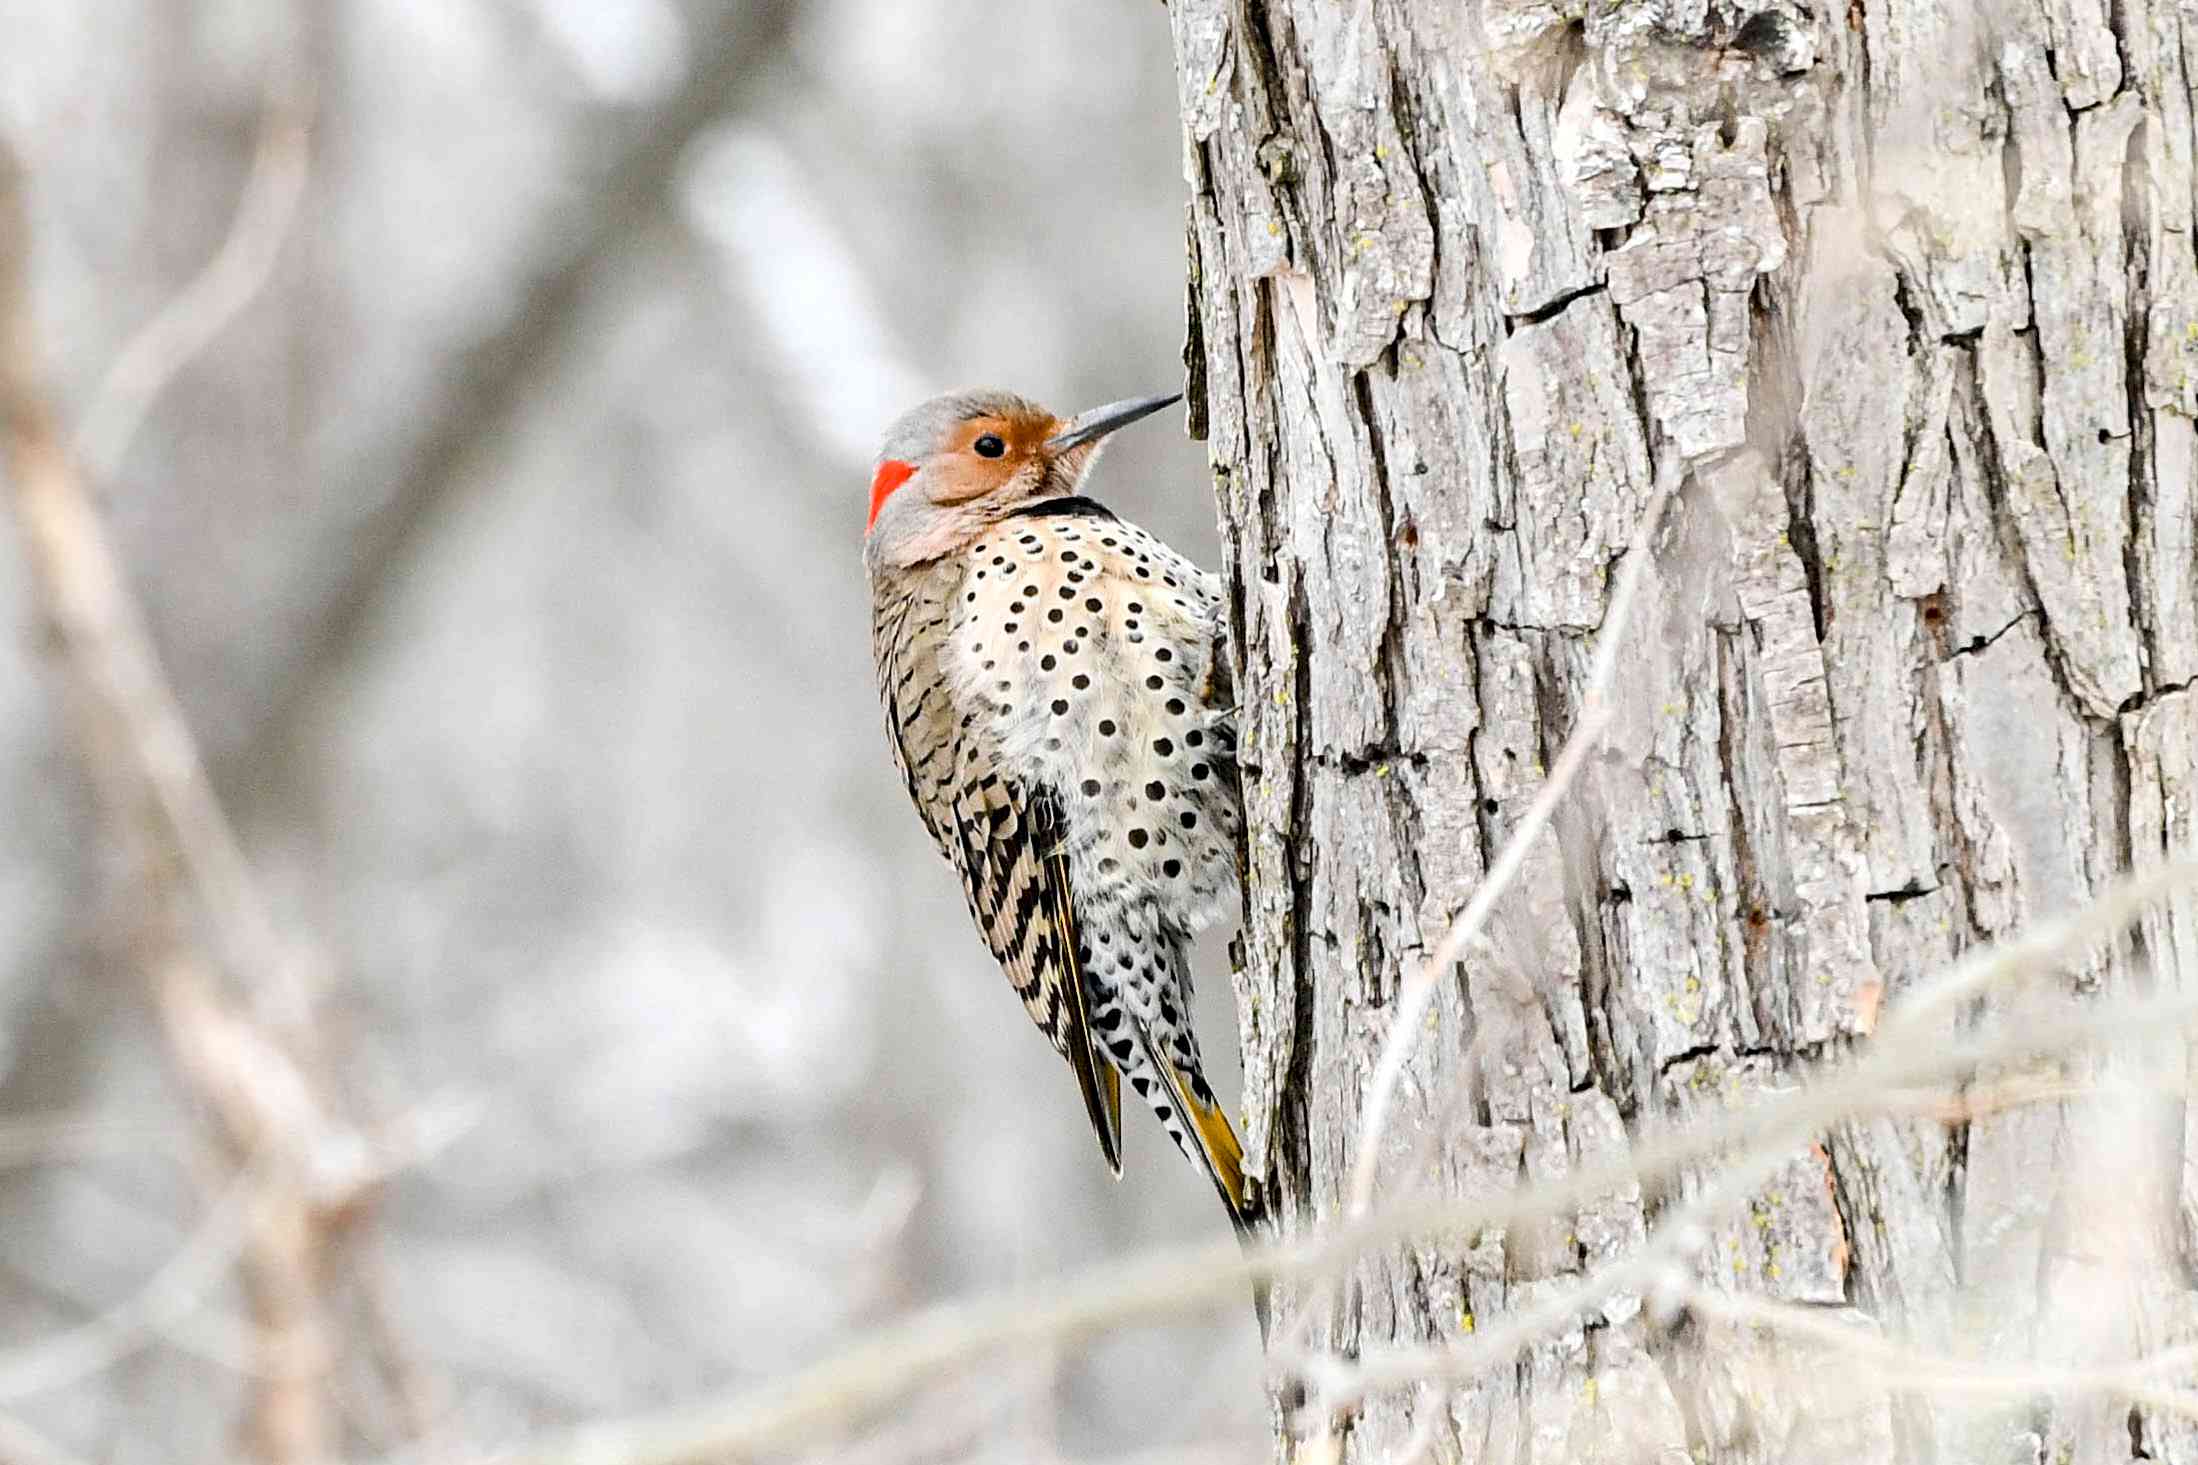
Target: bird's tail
point(1207, 1127)
point(1215, 1142)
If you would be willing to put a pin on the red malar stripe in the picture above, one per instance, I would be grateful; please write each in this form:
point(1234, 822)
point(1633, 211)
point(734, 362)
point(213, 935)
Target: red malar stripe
point(892, 473)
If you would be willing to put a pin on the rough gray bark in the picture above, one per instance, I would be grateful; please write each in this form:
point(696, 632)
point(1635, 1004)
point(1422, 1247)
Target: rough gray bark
point(1902, 295)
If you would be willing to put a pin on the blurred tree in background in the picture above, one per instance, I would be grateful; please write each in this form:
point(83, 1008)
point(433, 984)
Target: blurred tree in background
point(502, 545)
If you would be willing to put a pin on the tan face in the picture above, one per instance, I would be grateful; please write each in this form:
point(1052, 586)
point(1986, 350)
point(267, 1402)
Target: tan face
point(986, 457)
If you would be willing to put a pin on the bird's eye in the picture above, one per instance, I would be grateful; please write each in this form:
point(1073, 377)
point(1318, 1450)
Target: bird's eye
point(989, 446)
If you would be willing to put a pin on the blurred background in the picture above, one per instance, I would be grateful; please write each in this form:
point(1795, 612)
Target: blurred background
point(504, 548)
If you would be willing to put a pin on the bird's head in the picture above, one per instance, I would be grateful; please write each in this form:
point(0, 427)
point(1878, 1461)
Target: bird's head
point(958, 464)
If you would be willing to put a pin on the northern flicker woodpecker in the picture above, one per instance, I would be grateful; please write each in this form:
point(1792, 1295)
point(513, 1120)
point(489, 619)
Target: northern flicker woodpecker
point(1049, 685)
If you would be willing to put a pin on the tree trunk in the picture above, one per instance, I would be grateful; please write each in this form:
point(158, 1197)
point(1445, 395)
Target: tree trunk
point(1900, 298)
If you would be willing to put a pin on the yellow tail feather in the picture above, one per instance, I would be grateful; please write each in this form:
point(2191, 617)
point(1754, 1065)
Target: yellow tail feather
point(1224, 1163)
point(1216, 1140)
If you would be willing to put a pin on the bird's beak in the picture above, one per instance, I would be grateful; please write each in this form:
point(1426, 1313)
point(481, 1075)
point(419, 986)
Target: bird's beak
point(1091, 426)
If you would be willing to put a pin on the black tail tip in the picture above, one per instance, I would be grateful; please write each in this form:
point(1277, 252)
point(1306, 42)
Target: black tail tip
point(1249, 1214)
point(1250, 1221)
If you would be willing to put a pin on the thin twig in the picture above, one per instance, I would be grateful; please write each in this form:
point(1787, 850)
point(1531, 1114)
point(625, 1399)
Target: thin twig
point(420, 1403)
point(1417, 989)
point(1679, 1234)
point(1597, 708)
point(190, 321)
point(1905, 1370)
point(1895, 1368)
point(146, 757)
point(1179, 1281)
point(1683, 1231)
point(2015, 1093)
point(178, 1287)
point(1213, 1454)
point(161, 811)
point(37, 1139)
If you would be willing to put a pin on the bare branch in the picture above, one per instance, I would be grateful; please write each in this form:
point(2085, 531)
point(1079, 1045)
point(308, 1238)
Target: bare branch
point(251, 1061)
point(142, 753)
point(1905, 1370)
point(162, 813)
point(180, 1285)
point(35, 1139)
point(189, 322)
point(1418, 987)
point(1180, 1281)
point(1893, 1367)
point(414, 488)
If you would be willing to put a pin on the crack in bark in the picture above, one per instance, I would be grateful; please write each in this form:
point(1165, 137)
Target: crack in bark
point(2014, 551)
point(1542, 314)
point(1296, 1094)
point(1829, 1148)
point(2143, 700)
point(1724, 1048)
point(1801, 530)
point(1976, 644)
